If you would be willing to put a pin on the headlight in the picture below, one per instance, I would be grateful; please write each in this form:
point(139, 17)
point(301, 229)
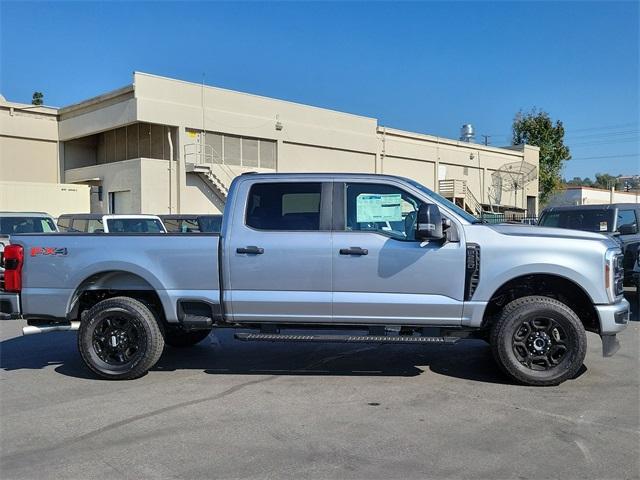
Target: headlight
point(614, 274)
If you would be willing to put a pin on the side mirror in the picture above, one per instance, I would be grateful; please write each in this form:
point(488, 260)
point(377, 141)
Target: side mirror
point(628, 229)
point(429, 222)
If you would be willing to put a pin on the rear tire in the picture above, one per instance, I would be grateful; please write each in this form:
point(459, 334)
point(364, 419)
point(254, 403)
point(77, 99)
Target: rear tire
point(120, 339)
point(178, 338)
point(539, 341)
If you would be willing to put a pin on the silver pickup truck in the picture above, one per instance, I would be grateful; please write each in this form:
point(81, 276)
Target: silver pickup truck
point(367, 258)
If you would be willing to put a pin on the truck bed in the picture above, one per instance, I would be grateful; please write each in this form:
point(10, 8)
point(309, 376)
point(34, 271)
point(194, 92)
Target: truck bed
point(174, 265)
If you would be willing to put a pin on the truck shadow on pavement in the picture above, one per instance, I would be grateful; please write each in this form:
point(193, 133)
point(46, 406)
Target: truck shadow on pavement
point(221, 354)
point(470, 360)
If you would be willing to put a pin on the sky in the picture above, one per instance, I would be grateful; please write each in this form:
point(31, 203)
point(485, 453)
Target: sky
point(422, 66)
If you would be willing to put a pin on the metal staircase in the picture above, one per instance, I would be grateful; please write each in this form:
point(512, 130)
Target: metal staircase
point(201, 160)
point(210, 178)
point(459, 193)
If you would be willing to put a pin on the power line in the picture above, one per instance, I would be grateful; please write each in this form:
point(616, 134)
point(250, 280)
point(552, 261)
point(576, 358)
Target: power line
point(569, 131)
point(606, 134)
point(605, 127)
point(602, 142)
point(623, 155)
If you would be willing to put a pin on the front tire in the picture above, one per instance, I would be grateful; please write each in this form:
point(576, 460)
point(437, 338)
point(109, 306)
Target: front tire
point(539, 341)
point(120, 339)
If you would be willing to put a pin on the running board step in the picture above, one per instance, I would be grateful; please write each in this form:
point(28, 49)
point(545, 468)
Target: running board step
point(277, 337)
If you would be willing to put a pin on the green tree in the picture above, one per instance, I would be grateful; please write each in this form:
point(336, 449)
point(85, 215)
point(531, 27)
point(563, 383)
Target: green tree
point(579, 182)
point(537, 128)
point(604, 180)
point(37, 99)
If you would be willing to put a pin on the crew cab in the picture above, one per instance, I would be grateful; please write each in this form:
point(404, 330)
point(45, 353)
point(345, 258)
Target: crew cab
point(380, 258)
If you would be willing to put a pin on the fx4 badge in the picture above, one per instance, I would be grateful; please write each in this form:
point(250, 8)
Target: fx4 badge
point(57, 252)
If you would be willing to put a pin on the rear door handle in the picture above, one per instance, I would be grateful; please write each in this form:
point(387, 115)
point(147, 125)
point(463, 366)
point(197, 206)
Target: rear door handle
point(251, 250)
point(354, 251)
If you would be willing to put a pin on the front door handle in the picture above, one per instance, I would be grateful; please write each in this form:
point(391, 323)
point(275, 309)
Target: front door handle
point(251, 250)
point(354, 251)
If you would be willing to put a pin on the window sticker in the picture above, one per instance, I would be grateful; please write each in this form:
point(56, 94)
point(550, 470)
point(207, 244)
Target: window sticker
point(378, 207)
point(603, 226)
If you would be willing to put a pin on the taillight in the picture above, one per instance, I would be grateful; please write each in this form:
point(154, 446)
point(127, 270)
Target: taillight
point(13, 260)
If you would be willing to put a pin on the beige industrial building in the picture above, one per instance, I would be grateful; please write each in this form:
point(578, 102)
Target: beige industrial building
point(167, 146)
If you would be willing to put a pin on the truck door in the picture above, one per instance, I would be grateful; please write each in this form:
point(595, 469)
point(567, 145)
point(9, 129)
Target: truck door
point(381, 273)
point(278, 249)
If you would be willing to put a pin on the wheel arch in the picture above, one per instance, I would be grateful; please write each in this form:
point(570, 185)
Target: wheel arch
point(554, 286)
point(113, 283)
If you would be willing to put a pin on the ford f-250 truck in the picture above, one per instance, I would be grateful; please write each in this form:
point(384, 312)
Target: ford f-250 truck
point(381, 258)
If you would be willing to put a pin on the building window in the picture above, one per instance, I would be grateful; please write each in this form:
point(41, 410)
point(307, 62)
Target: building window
point(231, 150)
point(139, 140)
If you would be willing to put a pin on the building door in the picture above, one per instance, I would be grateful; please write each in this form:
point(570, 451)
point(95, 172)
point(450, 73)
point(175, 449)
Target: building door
point(120, 202)
point(381, 272)
point(531, 206)
point(278, 253)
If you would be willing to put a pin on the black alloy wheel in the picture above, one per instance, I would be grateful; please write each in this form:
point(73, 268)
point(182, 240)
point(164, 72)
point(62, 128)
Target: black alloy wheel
point(539, 341)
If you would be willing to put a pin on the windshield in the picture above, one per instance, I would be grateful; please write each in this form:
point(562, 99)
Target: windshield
point(588, 220)
point(16, 225)
point(447, 203)
point(134, 225)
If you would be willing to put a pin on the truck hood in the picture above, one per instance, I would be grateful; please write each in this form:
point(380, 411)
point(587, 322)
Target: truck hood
point(549, 232)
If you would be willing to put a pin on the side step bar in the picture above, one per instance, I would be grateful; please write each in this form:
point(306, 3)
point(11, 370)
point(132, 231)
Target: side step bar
point(276, 337)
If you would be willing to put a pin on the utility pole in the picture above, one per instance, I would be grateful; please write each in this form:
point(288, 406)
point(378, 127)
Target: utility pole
point(612, 188)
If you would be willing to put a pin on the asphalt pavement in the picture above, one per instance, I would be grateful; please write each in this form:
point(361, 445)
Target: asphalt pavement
point(229, 409)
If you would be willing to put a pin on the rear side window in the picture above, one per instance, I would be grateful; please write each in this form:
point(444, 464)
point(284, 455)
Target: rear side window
point(588, 220)
point(172, 226)
point(189, 225)
point(181, 225)
point(17, 225)
point(134, 225)
point(78, 226)
point(95, 226)
point(284, 206)
point(63, 224)
point(47, 225)
point(210, 224)
point(627, 218)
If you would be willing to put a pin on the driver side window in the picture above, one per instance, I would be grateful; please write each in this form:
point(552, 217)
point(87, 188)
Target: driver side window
point(382, 209)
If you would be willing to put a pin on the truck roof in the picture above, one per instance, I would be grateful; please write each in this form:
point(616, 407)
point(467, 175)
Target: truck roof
point(24, 214)
point(82, 216)
point(322, 175)
point(598, 206)
point(177, 216)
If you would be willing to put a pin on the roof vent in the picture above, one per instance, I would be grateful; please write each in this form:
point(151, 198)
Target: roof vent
point(467, 134)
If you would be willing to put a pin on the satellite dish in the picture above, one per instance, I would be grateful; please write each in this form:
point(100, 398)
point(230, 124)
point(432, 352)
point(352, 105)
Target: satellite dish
point(511, 177)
